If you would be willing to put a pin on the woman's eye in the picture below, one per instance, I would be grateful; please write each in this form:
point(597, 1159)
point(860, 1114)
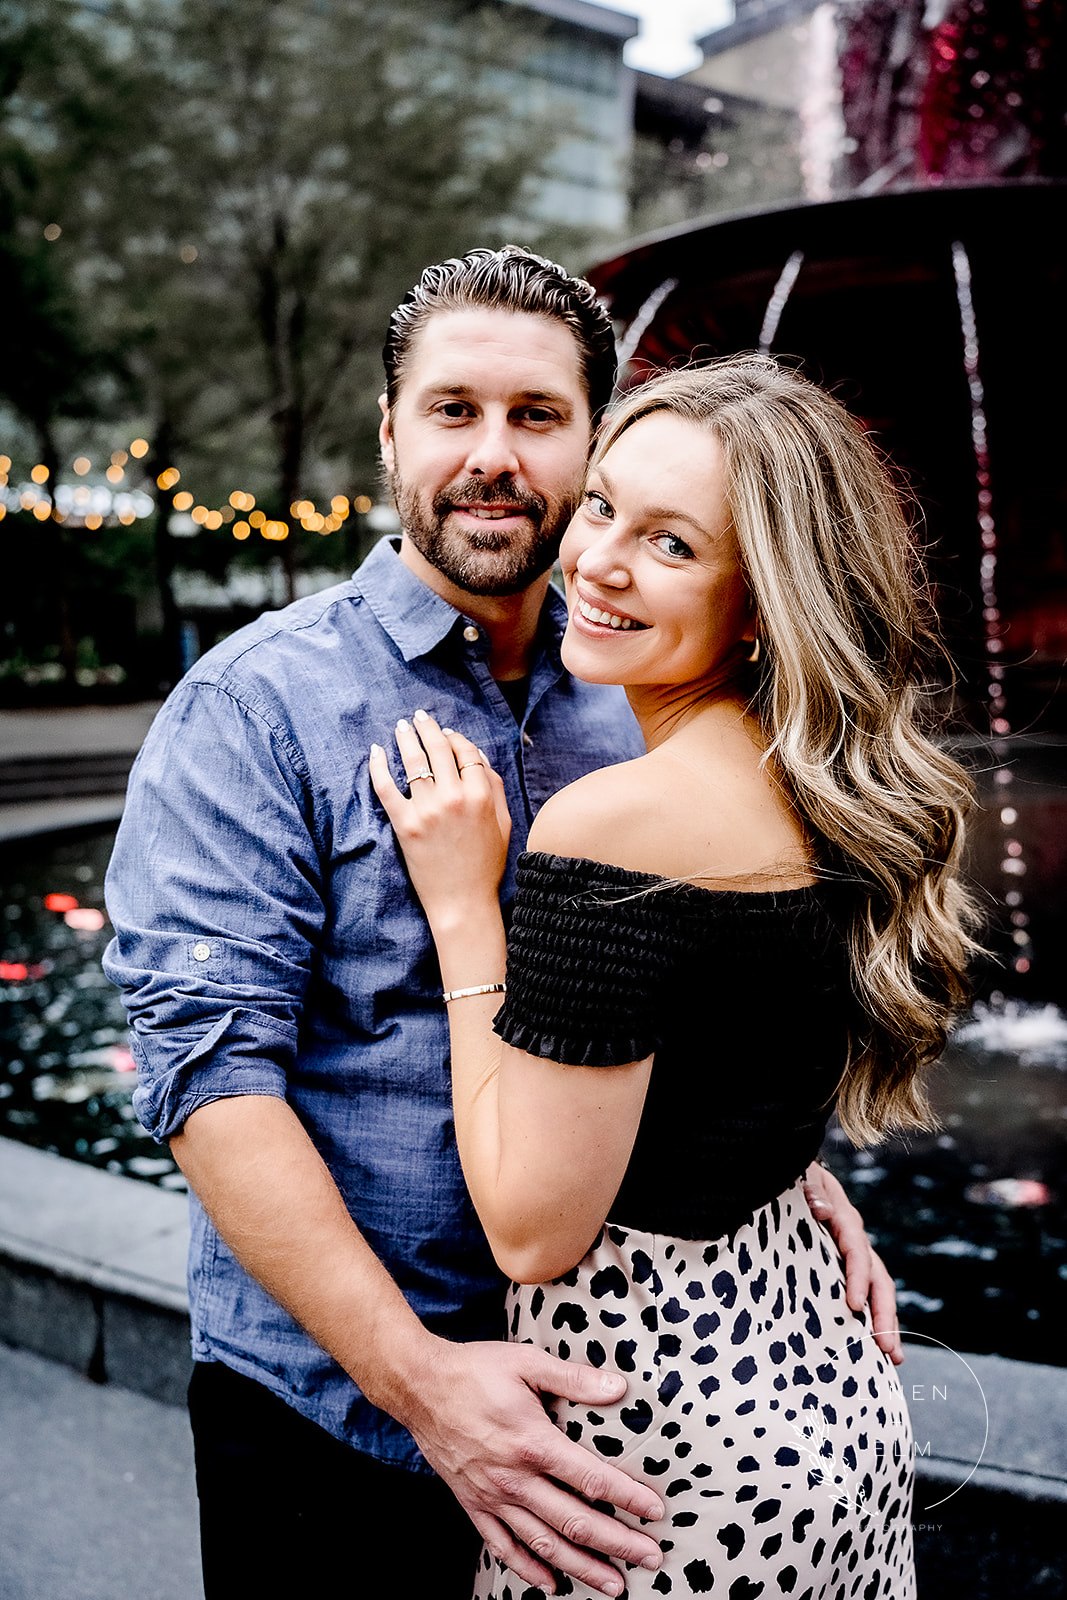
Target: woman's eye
point(671, 545)
point(597, 504)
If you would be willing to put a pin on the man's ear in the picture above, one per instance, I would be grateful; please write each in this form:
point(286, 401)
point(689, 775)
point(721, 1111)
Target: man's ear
point(385, 436)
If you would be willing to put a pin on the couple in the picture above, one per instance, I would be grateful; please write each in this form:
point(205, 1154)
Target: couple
point(747, 881)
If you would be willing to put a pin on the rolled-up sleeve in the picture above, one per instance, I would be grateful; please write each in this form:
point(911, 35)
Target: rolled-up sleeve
point(214, 892)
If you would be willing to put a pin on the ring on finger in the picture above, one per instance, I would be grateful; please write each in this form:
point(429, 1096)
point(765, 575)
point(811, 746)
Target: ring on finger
point(465, 764)
point(425, 773)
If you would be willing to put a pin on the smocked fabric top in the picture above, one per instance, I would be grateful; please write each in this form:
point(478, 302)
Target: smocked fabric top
point(744, 998)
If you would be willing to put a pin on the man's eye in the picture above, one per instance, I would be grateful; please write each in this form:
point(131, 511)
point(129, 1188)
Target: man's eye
point(597, 504)
point(539, 414)
point(671, 545)
point(454, 410)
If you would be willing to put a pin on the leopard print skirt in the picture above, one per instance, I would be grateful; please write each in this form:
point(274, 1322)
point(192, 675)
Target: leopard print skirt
point(759, 1408)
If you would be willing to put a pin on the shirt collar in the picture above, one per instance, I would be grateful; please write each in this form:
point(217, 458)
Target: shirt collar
point(417, 619)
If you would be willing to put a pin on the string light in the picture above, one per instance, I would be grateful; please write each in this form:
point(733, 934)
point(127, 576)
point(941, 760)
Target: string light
point(90, 507)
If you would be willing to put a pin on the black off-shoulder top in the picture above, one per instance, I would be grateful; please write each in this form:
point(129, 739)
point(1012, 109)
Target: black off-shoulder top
point(745, 998)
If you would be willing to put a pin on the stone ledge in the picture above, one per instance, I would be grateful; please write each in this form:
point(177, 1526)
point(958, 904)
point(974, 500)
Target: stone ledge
point(92, 1273)
point(30, 819)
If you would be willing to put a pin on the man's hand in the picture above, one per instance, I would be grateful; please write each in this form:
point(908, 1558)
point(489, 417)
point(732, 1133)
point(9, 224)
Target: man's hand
point(866, 1275)
point(528, 1489)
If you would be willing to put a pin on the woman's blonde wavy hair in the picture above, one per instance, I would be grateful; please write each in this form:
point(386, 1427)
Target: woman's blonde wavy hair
point(848, 641)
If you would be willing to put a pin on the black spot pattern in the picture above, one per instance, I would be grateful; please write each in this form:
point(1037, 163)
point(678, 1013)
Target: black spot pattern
point(790, 1487)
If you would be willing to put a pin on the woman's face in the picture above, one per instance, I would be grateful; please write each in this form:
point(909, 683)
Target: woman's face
point(654, 586)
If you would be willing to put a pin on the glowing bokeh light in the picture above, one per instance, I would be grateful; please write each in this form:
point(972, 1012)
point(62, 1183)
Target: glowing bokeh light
point(60, 902)
point(86, 919)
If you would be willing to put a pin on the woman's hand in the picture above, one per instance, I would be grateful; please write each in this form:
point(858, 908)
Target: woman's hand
point(454, 829)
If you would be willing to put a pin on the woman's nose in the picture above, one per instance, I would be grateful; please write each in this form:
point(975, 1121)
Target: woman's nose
point(602, 561)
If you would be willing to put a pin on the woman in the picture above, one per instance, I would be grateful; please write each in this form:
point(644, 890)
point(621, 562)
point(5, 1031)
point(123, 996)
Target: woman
point(713, 948)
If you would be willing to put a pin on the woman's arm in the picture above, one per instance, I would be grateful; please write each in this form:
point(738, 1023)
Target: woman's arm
point(544, 1145)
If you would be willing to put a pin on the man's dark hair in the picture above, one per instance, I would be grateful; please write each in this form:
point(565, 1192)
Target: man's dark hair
point(509, 279)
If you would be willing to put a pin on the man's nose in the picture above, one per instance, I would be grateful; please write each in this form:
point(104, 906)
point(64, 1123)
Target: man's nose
point(492, 450)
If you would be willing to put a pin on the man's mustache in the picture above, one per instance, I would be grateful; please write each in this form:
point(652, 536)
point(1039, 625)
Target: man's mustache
point(478, 492)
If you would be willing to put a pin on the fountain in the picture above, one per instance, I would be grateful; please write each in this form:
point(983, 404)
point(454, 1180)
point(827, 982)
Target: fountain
point(923, 280)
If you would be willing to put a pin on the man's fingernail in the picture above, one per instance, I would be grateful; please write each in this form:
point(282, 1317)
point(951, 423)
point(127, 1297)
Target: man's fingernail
point(612, 1587)
point(611, 1384)
point(652, 1563)
point(656, 1513)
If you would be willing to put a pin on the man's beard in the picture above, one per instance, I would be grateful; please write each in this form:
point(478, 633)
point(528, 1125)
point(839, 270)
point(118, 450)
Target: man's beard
point(485, 561)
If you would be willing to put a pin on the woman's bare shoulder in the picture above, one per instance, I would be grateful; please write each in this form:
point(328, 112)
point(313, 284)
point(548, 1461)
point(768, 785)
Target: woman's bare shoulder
point(604, 816)
point(650, 815)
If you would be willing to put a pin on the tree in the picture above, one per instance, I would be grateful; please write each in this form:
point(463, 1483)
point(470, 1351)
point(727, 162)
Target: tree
point(311, 160)
point(60, 126)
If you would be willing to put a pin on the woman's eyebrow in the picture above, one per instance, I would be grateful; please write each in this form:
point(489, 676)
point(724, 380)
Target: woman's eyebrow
point(654, 513)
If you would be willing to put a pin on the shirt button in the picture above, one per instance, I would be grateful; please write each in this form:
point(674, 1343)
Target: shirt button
point(201, 952)
point(471, 633)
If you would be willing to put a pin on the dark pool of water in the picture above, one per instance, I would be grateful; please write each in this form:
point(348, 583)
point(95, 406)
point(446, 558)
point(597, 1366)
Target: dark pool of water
point(66, 1074)
point(971, 1221)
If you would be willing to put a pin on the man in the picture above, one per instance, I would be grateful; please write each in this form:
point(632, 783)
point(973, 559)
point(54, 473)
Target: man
point(287, 1015)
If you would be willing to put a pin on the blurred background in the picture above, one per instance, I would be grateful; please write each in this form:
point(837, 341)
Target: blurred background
point(206, 214)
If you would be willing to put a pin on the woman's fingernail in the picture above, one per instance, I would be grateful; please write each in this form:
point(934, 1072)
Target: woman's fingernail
point(447, 732)
point(421, 716)
point(375, 749)
point(404, 724)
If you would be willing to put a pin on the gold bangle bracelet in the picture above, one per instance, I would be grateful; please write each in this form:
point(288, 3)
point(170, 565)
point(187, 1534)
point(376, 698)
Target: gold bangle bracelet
point(481, 988)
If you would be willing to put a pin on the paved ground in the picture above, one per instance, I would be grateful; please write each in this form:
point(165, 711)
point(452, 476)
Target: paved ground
point(97, 1500)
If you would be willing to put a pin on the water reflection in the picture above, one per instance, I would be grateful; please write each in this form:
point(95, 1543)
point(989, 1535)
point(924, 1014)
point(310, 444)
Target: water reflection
point(66, 1073)
point(972, 1220)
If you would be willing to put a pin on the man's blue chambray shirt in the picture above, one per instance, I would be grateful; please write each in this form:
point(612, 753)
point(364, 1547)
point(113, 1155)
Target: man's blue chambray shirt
point(267, 940)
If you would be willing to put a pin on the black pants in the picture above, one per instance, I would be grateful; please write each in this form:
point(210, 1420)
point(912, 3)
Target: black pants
point(287, 1510)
